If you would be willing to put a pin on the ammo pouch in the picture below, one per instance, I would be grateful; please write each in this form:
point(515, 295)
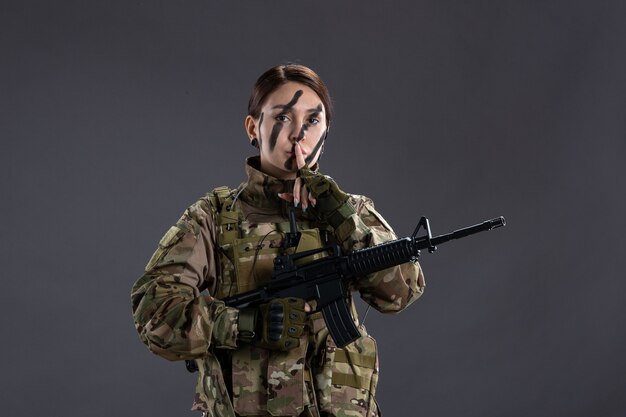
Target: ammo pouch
point(347, 377)
point(262, 379)
point(211, 395)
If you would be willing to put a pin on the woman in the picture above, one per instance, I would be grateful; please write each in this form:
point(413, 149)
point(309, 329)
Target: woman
point(275, 359)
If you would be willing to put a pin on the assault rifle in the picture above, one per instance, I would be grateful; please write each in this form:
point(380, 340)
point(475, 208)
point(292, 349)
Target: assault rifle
point(324, 279)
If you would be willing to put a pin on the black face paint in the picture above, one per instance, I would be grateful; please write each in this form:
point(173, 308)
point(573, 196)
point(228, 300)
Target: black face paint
point(320, 143)
point(290, 163)
point(279, 126)
point(306, 126)
point(317, 111)
point(302, 132)
point(274, 135)
point(260, 123)
point(293, 101)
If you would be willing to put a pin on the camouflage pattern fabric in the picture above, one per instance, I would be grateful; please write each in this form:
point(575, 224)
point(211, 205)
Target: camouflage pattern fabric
point(178, 313)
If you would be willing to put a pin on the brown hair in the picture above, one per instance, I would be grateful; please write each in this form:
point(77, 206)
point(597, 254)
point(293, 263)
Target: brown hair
point(274, 77)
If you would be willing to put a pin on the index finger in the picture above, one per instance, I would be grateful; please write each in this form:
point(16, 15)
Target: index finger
point(299, 156)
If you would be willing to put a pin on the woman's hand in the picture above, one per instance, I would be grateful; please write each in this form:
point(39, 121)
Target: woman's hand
point(311, 188)
point(276, 325)
point(301, 194)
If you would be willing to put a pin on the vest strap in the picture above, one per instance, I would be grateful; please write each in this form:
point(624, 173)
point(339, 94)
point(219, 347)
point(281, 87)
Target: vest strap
point(227, 217)
point(353, 358)
point(351, 380)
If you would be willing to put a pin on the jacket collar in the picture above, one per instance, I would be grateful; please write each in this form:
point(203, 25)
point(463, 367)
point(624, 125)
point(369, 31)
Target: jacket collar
point(261, 190)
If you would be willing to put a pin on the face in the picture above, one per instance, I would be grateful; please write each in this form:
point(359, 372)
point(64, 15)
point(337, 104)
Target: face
point(292, 113)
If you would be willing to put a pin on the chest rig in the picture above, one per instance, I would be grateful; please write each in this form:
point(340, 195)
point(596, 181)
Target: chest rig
point(314, 375)
point(247, 248)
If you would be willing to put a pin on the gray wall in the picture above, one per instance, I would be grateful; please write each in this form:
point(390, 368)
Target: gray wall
point(116, 115)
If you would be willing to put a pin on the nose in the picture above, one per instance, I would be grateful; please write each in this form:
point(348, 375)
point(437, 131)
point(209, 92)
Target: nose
point(299, 132)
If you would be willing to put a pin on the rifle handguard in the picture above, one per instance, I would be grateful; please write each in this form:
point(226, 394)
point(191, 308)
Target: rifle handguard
point(387, 255)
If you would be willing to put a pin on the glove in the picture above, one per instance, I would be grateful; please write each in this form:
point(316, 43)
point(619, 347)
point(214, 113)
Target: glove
point(331, 203)
point(279, 325)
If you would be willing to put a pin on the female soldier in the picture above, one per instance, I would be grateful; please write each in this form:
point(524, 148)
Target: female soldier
point(275, 359)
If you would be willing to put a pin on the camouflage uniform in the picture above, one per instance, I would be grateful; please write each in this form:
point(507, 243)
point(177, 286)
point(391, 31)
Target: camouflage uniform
point(221, 248)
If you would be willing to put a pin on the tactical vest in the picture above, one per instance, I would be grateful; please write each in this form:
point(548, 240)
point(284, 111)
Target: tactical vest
point(346, 378)
point(247, 250)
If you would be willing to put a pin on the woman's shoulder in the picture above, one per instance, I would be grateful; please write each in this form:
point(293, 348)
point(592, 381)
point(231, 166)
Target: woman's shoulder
point(212, 201)
point(360, 201)
point(211, 204)
point(364, 207)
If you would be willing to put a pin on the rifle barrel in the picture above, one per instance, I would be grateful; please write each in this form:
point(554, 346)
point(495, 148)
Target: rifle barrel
point(466, 231)
point(376, 258)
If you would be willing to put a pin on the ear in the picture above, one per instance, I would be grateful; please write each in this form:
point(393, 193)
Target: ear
point(251, 128)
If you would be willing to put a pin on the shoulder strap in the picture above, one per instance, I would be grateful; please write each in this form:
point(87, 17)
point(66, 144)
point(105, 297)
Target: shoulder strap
point(226, 216)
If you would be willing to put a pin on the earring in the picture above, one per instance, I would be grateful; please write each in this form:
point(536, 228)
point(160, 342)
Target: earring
point(255, 142)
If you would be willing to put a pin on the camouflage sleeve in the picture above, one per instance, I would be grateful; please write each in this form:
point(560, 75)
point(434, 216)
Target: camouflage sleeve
point(172, 315)
point(390, 290)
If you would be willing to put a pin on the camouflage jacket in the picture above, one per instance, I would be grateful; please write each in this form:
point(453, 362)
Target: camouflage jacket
point(178, 313)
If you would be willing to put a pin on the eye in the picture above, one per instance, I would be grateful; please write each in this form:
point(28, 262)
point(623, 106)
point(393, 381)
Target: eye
point(282, 118)
point(313, 121)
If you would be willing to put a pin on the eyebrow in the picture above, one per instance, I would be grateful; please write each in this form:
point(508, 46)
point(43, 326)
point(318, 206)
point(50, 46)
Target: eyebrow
point(317, 110)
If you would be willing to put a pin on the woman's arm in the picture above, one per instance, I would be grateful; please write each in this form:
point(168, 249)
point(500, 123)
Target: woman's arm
point(390, 290)
point(171, 315)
